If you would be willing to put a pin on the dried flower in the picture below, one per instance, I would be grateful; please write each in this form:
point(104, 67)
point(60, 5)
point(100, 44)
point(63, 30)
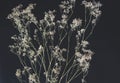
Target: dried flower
point(33, 78)
point(82, 31)
point(66, 6)
point(84, 43)
point(57, 53)
point(49, 16)
point(18, 73)
point(78, 54)
point(94, 7)
point(76, 23)
point(40, 50)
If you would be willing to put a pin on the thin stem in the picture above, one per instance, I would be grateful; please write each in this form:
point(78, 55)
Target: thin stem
point(90, 32)
point(63, 38)
point(69, 36)
point(67, 72)
point(87, 26)
point(67, 65)
point(85, 16)
point(73, 75)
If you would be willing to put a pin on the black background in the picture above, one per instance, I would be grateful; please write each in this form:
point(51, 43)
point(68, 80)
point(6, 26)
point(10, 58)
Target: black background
point(105, 41)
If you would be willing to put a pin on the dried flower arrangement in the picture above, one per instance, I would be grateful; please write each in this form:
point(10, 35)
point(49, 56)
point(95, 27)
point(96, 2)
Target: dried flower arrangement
point(41, 50)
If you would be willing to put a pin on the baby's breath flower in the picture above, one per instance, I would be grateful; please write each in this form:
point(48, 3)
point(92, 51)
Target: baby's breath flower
point(94, 21)
point(49, 17)
point(57, 53)
point(83, 63)
point(94, 7)
point(87, 4)
point(84, 43)
point(51, 33)
point(78, 54)
point(28, 69)
point(18, 73)
point(82, 31)
point(67, 6)
point(64, 16)
point(33, 78)
point(56, 70)
point(87, 51)
point(40, 47)
point(62, 23)
point(75, 23)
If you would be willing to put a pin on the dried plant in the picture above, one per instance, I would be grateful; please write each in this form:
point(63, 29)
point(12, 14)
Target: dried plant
point(53, 50)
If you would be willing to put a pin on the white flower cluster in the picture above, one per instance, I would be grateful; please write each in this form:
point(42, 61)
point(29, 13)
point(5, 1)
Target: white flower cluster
point(84, 59)
point(84, 43)
point(22, 17)
point(49, 18)
point(94, 8)
point(62, 23)
point(66, 6)
point(75, 24)
point(21, 45)
point(18, 73)
point(33, 78)
point(55, 73)
point(66, 9)
point(57, 53)
point(80, 42)
point(83, 55)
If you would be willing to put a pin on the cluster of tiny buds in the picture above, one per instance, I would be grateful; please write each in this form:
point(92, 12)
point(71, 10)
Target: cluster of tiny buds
point(94, 8)
point(76, 23)
point(57, 53)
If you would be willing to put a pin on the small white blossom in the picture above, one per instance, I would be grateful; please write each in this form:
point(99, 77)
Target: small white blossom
point(83, 63)
point(84, 43)
point(78, 54)
point(56, 70)
point(66, 6)
point(40, 50)
point(94, 7)
point(79, 34)
point(51, 33)
point(62, 23)
point(94, 21)
point(33, 78)
point(76, 23)
point(26, 68)
point(64, 16)
point(87, 4)
point(57, 53)
point(18, 73)
point(82, 31)
point(96, 13)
